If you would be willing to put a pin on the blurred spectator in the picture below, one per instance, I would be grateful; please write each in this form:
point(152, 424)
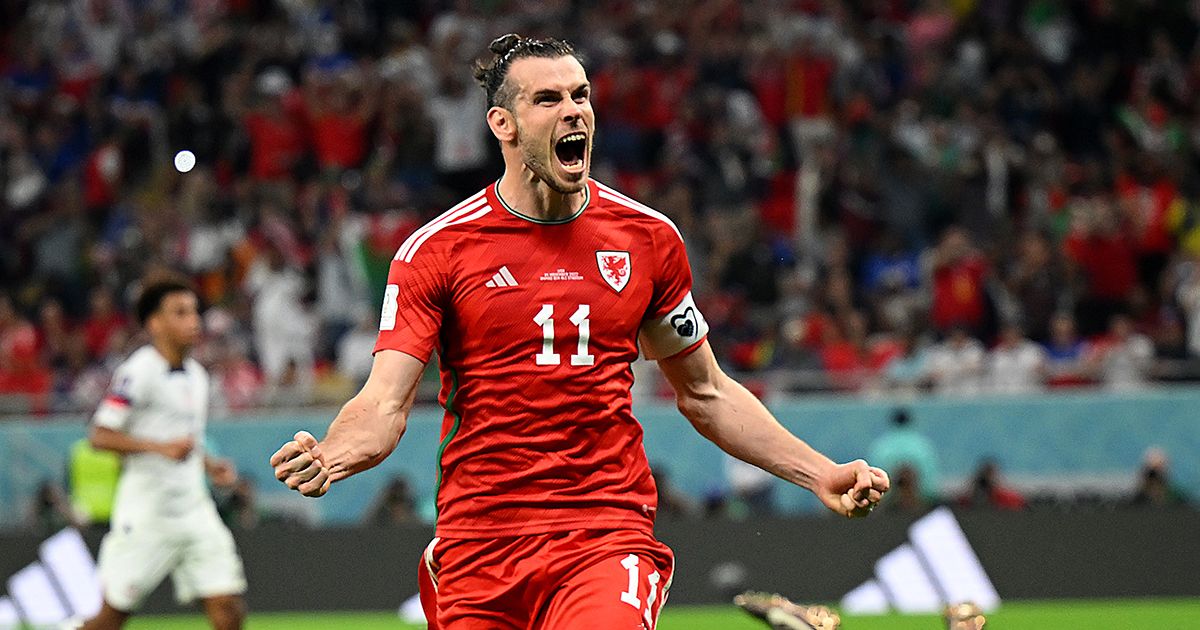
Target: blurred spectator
point(283, 327)
point(1188, 297)
point(1034, 284)
point(1016, 365)
point(956, 364)
point(20, 370)
point(104, 325)
point(902, 447)
point(1104, 256)
point(271, 124)
point(394, 506)
point(988, 491)
point(908, 371)
point(340, 104)
point(1124, 356)
point(461, 151)
point(752, 490)
point(51, 511)
point(1155, 489)
point(672, 502)
point(356, 350)
point(1065, 352)
point(238, 504)
point(92, 477)
point(958, 274)
point(906, 496)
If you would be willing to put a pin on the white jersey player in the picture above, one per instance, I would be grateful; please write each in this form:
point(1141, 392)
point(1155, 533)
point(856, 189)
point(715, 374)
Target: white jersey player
point(164, 520)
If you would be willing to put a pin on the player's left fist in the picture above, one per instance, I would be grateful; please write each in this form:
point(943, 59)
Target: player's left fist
point(853, 489)
point(298, 465)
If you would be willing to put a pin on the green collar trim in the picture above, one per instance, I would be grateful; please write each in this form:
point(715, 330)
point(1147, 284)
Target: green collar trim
point(587, 199)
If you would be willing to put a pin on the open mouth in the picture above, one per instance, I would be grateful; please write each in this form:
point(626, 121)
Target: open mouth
point(570, 150)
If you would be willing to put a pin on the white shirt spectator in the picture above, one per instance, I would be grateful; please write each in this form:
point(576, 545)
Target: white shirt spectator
point(461, 133)
point(1188, 296)
point(956, 366)
point(284, 330)
point(1016, 368)
point(356, 352)
point(1126, 362)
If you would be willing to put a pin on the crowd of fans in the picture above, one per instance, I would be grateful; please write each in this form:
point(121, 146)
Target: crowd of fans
point(950, 195)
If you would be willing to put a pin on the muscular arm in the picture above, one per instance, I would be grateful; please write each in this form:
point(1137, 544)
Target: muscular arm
point(370, 425)
point(732, 418)
point(362, 435)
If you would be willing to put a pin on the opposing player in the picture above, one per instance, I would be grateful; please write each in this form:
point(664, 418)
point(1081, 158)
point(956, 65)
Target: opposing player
point(536, 293)
point(164, 520)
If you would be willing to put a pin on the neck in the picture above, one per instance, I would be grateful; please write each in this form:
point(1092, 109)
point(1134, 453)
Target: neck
point(173, 354)
point(528, 194)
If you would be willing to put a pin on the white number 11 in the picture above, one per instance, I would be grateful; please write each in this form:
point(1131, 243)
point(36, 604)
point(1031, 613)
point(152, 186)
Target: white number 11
point(545, 319)
point(630, 595)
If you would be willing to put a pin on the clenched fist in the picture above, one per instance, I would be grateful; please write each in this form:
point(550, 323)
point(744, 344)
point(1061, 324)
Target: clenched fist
point(298, 465)
point(853, 489)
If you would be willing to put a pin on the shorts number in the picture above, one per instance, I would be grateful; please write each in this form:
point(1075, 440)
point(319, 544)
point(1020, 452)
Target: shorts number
point(630, 595)
point(545, 319)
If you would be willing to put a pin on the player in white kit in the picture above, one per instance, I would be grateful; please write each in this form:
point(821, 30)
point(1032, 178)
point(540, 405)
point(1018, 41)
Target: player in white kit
point(164, 520)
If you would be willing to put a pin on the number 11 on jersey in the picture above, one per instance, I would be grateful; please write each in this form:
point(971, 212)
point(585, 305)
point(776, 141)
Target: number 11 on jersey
point(545, 319)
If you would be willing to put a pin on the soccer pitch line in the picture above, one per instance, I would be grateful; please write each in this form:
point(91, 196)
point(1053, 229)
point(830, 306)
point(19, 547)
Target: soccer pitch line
point(1133, 614)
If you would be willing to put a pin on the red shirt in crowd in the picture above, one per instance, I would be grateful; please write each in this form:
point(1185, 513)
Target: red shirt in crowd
point(958, 293)
point(1108, 261)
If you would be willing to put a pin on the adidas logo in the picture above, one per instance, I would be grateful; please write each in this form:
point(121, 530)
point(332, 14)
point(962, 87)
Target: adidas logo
point(503, 278)
point(936, 568)
point(61, 585)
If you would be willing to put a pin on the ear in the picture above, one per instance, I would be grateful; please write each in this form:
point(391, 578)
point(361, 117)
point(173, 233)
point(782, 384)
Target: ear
point(502, 123)
point(152, 325)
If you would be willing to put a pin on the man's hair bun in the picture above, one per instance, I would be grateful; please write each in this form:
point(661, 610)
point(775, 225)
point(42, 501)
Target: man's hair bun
point(504, 43)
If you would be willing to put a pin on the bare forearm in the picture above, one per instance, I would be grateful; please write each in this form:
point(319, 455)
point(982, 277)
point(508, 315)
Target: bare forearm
point(733, 419)
point(362, 435)
point(120, 442)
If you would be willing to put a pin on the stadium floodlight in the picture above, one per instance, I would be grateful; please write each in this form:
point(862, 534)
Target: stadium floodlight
point(32, 590)
point(67, 559)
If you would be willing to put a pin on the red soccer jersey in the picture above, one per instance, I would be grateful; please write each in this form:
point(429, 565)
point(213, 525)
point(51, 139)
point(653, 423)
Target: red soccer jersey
point(536, 324)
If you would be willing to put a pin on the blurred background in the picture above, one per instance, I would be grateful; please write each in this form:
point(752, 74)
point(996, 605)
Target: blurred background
point(959, 237)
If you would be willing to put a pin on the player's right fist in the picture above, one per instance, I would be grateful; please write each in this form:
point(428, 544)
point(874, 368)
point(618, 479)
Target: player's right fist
point(177, 450)
point(298, 465)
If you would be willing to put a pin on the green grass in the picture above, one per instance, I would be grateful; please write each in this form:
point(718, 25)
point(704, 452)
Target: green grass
point(1149, 614)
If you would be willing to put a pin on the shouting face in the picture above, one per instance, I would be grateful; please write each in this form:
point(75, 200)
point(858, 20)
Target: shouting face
point(554, 120)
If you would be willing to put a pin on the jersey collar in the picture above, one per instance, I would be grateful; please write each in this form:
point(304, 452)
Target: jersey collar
point(587, 200)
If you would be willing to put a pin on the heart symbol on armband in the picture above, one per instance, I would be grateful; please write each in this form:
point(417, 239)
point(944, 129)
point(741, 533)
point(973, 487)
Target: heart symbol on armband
point(685, 323)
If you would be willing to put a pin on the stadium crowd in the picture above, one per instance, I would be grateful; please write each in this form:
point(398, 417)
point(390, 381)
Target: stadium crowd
point(895, 195)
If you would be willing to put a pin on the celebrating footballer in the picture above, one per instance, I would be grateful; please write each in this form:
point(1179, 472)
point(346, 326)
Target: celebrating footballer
point(537, 293)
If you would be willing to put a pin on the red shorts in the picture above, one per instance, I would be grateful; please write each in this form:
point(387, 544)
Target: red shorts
point(580, 579)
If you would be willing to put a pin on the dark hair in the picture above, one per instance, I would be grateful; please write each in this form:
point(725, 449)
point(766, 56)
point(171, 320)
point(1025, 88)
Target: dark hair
point(507, 49)
point(152, 295)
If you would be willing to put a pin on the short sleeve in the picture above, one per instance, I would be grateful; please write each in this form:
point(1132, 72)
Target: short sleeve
point(673, 322)
point(413, 303)
point(125, 393)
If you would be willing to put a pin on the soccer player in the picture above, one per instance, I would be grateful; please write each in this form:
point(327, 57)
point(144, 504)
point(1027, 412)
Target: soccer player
point(164, 520)
point(537, 292)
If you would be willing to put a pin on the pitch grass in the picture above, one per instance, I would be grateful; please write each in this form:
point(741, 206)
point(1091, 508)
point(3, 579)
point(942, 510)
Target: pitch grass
point(1148, 614)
